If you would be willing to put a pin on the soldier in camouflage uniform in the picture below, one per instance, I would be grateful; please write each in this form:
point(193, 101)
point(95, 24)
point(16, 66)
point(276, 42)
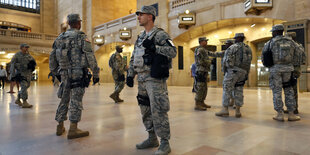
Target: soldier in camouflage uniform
point(152, 45)
point(118, 66)
point(203, 67)
point(283, 53)
point(296, 72)
point(221, 54)
point(71, 57)
point(22, 66)
point(237, 62)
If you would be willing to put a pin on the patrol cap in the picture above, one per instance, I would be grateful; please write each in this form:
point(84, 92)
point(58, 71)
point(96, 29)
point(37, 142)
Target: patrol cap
point(118, 47)
point(239, 35)
point(202, 39)
point(291, 34)
point(147, 9)
point(24, 45)
point(278, 27)
point(229, 41)
point(72, 18)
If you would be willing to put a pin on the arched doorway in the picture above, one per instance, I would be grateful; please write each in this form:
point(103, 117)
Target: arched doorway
point(256, 30)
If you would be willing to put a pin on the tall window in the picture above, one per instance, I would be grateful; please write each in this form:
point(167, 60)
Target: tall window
point(21, 5)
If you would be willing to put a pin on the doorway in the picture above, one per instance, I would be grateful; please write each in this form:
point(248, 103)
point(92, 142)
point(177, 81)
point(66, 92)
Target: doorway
point(262, 71)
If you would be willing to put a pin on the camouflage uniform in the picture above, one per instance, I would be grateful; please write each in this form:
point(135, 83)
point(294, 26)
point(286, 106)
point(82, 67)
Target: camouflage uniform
point(299, 59)
point(118, 68)
point(221, 54)
point(154, 116)
point(19, 65)
point(281, 72)
point(237, 62)
point(71, 56)
point(203, 67)
point(235, 73)
point(283, 52)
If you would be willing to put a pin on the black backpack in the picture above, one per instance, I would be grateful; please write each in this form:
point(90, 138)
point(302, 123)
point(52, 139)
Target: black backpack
point(267, 57)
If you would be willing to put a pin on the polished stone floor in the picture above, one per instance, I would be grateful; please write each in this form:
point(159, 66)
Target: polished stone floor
point(116, 128)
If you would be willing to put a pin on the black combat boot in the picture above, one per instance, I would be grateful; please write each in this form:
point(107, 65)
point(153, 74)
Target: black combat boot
point(149, 143)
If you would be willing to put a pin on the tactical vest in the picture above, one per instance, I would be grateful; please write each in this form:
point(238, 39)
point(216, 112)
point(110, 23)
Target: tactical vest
point(69, 51)
point(282, 50)
point(139, 51)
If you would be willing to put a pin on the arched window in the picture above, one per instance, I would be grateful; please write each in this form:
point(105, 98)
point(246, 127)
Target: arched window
point(21, 5)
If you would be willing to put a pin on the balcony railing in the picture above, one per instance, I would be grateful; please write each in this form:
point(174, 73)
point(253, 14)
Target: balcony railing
point(179, 3)
point(26, 35)
point(116, 22)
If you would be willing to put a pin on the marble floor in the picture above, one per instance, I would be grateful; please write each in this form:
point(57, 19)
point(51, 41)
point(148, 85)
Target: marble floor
point(116, 128)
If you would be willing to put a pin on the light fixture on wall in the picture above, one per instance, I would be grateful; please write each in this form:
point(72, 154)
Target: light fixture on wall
point(99, 40)
point(256, 6)
point(125, 33)
point(186, 19)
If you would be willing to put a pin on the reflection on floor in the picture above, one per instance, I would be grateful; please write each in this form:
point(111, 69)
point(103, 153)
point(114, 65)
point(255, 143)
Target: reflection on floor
point(116, 128)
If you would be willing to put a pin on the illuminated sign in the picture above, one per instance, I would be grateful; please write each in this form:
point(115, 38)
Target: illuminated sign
point(262, 1)
point(99, 40)
point(125, 34)
point(187, 18)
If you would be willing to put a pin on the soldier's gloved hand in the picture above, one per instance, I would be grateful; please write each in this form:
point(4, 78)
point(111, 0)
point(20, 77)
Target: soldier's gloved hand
point(95, 80)
point(149, 46)
point(58, 77)
point(129, 81)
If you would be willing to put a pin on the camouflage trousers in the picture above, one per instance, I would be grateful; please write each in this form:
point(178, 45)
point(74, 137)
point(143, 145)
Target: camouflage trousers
point(24, 85)
point(275, 82)
point(71, 99)
point(155, 117)
point(201, 90)
point(230, 90)
point(119, 85)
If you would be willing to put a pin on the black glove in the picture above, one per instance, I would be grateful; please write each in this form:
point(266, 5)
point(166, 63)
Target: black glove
point(58, 77)
point(121, 78)
point(31, 65)
point(129, 81)
point(95, 80)
point(149, 46)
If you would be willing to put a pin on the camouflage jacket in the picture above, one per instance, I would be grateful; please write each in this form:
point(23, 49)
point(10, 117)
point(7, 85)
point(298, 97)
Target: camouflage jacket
point(72, 51)
point(202, 59)
point(19, 65)
point(118, 64)
point(164, 46)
